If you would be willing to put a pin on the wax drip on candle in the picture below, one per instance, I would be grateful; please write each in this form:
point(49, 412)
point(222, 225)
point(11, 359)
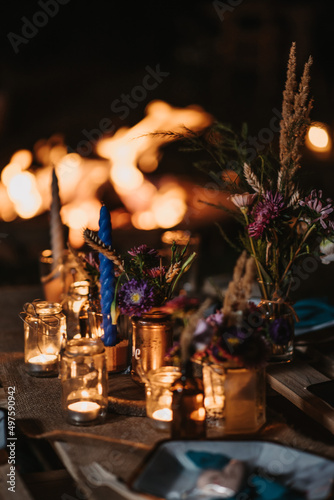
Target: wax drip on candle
point(56, 226)
point(107, 279)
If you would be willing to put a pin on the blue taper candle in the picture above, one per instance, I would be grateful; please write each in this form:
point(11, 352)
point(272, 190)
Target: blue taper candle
point(107, 279)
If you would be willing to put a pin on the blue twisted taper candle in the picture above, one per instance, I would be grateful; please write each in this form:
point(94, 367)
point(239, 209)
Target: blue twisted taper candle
point(107, 279)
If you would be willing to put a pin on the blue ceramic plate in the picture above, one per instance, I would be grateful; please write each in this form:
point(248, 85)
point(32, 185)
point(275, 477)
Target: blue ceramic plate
point(171, 472)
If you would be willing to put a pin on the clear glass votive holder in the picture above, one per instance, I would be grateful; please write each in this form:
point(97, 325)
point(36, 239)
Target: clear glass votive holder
point(50, 277)
point(159, 396)
point(57, 277)
point(234, 399)
point(84, 382)
point(44, 337)
point(73, 301)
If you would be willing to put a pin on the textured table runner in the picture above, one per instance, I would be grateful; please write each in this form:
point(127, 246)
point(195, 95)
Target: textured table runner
point(38, 411)
point(38, 403)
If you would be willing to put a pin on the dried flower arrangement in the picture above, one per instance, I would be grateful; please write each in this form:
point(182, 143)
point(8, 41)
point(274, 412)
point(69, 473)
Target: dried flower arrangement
point(238, 332)
point(144, 281)
point(280, 223)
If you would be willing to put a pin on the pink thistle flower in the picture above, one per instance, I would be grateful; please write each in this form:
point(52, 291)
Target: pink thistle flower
point(264, 212)
point(314, 202)
point(156, 272)
point(243, 200)
point(142, 250)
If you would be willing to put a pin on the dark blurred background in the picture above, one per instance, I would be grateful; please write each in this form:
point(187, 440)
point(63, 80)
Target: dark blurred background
point(229, 57)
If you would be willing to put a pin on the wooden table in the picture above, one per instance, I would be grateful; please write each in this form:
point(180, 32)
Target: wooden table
point(104, 444)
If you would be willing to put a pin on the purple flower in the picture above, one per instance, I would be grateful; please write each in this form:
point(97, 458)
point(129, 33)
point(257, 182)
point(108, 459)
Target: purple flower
point(314, 202)
point(264, 212)
point(202, 335)
point(215, 319)
point(143, 250)
point(206, 329)
point(135, 298)
point(280, 331)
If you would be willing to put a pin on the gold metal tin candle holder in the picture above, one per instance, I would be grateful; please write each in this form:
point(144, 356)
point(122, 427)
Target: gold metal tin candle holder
point(44, 337)
point(159, 396)
point(152, 336)
point(84, 382)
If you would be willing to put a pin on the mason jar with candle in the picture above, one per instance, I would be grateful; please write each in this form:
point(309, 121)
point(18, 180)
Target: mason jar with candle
point(84, 382)
point(44, 337)
point(159, 396)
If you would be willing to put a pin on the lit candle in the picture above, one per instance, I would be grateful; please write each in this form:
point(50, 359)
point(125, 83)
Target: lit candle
point(164, 414)
point(43, 363)
point(214, 406)
point(198, 414)
point(107, 279)
point(82, 412)
point(56, 226)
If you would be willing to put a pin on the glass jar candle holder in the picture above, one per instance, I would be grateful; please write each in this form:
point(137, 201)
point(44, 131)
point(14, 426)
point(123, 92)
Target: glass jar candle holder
point(234, 399)
point(77, 295)
point(214, 392)
point(159, 396)
point(84, 382)
point(57, 277)
point(44, 337)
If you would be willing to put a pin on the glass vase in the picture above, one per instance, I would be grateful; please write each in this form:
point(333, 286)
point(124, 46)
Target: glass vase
point(159, 396)
point(279, 317)
point(234, 399)
point(152, 336)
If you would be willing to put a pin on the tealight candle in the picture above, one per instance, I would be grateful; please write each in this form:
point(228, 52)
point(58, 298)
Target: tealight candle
point(82, 412)
point(198, 414)
point(43, 363)
point(164, 414)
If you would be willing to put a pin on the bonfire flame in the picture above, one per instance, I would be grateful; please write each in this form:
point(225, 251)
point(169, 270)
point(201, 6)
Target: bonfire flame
point(128, 156)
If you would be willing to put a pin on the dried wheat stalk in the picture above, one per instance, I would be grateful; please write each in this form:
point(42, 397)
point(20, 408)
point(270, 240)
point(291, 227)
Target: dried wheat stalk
point(251, 178)
point(239, 290)
point(294, 123)
point(96, 243)
point(173, 271)
point(188, 332)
